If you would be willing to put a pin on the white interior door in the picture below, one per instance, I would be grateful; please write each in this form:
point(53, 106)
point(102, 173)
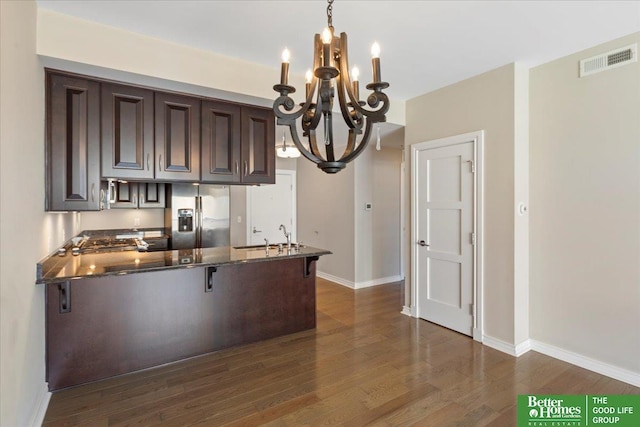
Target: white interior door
point(444, 235)
point(268, 206)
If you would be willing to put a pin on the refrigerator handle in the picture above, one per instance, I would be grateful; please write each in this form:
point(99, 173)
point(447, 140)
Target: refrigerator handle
point(198, 219)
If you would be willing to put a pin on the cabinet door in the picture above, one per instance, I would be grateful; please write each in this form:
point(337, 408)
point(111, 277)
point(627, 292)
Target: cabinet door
point(151, 195)
point(126, 195)
point(258, 146)
point(73, 144)
point(177, 125)
point(127, 132)
point(220, 142)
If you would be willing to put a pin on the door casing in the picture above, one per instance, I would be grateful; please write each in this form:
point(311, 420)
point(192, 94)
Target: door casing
point(477, 138)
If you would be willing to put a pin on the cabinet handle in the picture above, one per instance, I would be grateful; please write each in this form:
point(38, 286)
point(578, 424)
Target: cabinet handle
point(160, 163)
point(102, 200)
point(135, 199)
point(93, 192)
point(148, 156)
point(142, 199)
point(237, 168)
point(112, 192)
point(246, 168)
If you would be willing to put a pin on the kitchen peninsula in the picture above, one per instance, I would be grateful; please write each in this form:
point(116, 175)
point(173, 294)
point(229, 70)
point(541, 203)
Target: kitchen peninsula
point(112, 313)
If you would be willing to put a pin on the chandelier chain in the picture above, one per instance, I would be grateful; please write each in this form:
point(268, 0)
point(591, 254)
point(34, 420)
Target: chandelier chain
point(330, 13)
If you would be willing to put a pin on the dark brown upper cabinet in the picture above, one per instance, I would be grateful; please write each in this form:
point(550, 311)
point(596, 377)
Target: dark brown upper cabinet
point(133, 195)
point(258, 146)
point(177, 136)
point(220, 142)
point(127, 132)
point(238, 143)
point(72, 144)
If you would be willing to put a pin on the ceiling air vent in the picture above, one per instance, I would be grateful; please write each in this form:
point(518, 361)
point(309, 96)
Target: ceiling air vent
point(606, 61)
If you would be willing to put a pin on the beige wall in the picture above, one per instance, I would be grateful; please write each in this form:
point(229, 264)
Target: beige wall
point(27, 233)
point(585, 208)
point(484, 102)
point(377, 180)
point(325, 217)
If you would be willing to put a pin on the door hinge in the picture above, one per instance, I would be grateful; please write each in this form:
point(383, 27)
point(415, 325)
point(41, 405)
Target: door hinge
point(472, 238)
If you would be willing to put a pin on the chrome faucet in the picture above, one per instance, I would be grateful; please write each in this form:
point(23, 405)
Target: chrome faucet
point(287, 235)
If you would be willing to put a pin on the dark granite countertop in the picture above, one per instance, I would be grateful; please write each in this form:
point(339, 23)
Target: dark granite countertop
point(58, 268)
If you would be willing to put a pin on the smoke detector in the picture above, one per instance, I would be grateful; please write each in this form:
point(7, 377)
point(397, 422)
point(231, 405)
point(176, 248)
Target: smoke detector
point(606, 61)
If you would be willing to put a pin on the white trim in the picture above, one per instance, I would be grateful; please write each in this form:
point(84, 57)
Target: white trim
point(378, 282)
point(40, 408)
point(406, 311)
point(478, 208)
point(585, 362)
point(294, 206)
point(523, 347)
point(359, 285)
point(499, 345)
point(336, 279)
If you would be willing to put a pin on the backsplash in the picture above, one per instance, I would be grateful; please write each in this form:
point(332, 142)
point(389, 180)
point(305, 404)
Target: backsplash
point(122, 219)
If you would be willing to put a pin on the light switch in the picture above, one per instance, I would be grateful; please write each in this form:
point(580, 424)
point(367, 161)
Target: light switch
point(368, 206)
point(239, 219)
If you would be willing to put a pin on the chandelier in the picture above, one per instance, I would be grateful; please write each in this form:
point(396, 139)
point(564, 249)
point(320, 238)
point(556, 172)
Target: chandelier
point(331, 74)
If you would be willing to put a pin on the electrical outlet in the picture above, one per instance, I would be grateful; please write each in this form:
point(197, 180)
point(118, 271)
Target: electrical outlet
point(136, 222)
point(239, 219)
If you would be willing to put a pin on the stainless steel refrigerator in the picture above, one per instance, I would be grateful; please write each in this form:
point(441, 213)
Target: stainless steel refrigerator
point(197, 216)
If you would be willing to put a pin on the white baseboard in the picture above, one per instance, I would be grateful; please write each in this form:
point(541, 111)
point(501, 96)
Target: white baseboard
point(499, 345)
point(406, 311)
point(377, 282)
point(40, 409)
point(336, 279)
point(358, 285)
point(611, 371)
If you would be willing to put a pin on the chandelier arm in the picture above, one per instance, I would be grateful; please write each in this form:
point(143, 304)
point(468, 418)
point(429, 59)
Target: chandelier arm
point(303, 150)
point(373, 100)
point(351, 143)
point(313, 144)
point(328, 147)
point(361, 146)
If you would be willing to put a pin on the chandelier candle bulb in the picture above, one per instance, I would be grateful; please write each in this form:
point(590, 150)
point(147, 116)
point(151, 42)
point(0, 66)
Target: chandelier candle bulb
point(284, 72)
point(375, 62)
point(307, 85)
point(355, 74)
point(326, 47)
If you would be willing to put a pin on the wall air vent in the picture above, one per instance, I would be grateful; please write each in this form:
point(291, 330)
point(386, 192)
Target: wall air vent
point(606, 61)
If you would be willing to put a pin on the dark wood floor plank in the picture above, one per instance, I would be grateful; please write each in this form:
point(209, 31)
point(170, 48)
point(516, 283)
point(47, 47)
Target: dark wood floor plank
point(364, 364)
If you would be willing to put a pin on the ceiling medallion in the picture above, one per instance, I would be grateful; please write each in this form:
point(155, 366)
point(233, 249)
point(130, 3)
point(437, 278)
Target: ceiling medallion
point(331, 65)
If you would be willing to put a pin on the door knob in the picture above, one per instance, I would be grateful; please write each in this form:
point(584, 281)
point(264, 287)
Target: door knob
point(423, 243)
point(256, 231)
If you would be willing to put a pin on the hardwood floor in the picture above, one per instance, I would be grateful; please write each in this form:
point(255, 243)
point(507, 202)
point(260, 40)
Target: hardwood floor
point(364, 364)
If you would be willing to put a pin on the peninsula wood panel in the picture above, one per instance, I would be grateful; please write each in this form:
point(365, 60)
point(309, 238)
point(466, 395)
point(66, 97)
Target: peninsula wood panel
point(267, 300)
point(120, 324)
point(127, 132)
point(72, 144)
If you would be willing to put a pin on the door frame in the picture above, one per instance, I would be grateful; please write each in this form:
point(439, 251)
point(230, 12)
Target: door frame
point(477, 138)
point(294, 204)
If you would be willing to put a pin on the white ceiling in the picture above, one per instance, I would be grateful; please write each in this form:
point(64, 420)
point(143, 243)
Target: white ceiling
point(425, 44)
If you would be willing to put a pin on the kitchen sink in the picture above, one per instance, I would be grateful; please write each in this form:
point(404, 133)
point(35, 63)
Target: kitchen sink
point(253, 247)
